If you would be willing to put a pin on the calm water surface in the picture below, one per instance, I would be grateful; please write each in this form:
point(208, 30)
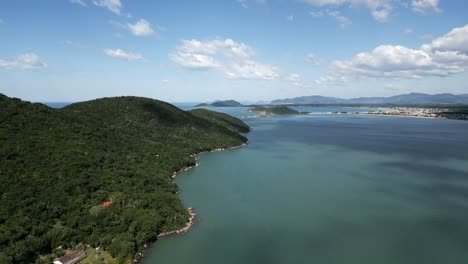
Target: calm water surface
point(329, 189)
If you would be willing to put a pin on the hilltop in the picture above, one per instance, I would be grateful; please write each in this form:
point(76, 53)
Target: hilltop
point(274, 110)
point(226, 103)
point(60, 166)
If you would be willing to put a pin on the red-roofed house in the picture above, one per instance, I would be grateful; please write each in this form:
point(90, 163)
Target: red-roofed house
point(106, 204)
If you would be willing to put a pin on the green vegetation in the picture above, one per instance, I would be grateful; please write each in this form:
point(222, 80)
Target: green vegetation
point(458, 112)
point(222, 119)
point(59, 165)
point(275, 110)
point(258, 108)
point(226, 103)
point(94, 256)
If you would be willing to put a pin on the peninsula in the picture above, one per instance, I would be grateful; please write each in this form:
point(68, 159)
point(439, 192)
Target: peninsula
point(98, 174)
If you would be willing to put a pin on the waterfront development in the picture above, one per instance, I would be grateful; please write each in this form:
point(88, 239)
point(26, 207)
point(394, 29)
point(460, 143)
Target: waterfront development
point(430, 112)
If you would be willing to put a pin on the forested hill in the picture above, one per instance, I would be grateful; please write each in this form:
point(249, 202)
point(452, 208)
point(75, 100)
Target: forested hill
point(59, 165)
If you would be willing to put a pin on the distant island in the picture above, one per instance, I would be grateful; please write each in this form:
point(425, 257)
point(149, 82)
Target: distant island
point(274, 110)
point(226, 103)
point(411, 99)
point(98, 174)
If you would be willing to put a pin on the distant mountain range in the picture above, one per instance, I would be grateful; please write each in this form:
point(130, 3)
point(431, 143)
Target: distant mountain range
point(403, 99)
point(226, 103)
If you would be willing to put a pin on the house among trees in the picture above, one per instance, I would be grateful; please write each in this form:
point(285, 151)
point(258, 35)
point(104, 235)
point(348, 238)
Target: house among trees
point(71, 257)
point(106, 204)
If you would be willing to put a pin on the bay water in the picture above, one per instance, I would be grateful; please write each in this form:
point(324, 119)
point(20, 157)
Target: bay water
point(323, 188)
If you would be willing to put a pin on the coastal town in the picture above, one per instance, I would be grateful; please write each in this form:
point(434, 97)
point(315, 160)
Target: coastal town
point(414, 112)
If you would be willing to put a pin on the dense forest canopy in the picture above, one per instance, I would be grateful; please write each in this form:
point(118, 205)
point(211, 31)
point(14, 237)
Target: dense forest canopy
point(59, 165)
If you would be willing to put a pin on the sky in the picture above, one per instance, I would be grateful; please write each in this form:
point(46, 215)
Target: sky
point(247, 50)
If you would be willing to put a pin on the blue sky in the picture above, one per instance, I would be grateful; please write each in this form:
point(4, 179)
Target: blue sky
point(249, 50)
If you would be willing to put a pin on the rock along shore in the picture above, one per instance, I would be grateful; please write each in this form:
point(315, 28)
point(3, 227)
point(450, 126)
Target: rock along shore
point(190, 210)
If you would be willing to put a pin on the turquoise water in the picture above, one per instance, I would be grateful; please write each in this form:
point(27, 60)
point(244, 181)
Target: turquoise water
point(329, 189)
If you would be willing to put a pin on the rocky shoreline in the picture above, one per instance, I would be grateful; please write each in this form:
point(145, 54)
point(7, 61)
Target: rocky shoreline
point(205, 152)
point(193, 215)
point(184, 229)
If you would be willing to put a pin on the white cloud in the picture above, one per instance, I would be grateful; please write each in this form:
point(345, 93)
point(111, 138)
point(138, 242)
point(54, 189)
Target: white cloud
point(78, 2)
point(293, 77)
point(142, 28)
point(312, 58)
point(234, 59)
point(194, 60)
point(23, 61)
point(455, 40)
point(120, 54)
point(380, 9)
point(342, 20)
point(250, 69)
point(113, 5)
point(445, 56)
point(290, 18)
point(423, 6)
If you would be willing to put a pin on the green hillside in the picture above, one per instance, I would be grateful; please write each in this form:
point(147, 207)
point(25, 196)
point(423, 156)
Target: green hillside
point(222, 119)
point(275, 110)
point(59, 165)
point(226, 103)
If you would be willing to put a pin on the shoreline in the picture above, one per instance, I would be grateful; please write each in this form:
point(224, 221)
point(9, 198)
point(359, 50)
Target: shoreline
point(184, 229)
point(394, 115)
point(196, 164)
point(389, 115)
point(191, 211)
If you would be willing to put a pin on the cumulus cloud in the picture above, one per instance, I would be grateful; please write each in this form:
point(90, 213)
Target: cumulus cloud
point(120, 54)
point(380, 9)
point(142, 28)
point(234, 59)
point(112, 5)
point(23, 61)
point(250, 69)
point(455, 40)
point(400, 62)
point(423, 6)
point(445, 56)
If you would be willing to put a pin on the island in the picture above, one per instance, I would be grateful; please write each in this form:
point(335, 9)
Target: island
point(94, 179)
point(226, 103)
point(264, 111)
